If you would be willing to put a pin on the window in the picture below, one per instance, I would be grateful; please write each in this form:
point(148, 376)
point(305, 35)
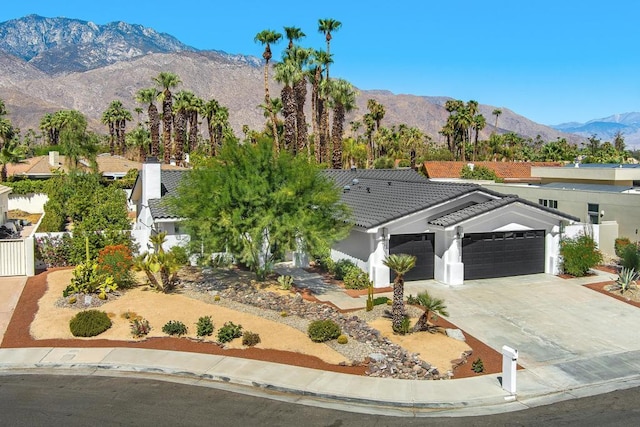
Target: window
point(593, 210)
point(548, 203)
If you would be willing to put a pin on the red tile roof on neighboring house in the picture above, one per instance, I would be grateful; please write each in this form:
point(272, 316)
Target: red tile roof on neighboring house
point(508, 171)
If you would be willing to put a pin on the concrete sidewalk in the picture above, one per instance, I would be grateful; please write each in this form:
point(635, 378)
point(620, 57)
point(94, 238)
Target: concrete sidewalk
point(10, 291)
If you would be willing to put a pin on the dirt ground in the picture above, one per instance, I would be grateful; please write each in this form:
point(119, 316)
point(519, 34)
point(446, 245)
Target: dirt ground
point(39, 321)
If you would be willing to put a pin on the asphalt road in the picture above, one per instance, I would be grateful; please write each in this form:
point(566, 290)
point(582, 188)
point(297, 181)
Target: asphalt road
point(50, 400)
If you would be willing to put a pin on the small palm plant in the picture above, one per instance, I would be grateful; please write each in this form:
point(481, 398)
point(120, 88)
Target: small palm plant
point(432, 307)
point(400, 264)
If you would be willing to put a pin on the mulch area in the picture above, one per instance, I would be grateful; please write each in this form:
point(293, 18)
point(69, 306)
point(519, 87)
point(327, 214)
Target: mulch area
point(600, 287)
point(18, 336)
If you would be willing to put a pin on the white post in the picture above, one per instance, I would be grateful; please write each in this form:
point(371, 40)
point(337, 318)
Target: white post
point(509, 365)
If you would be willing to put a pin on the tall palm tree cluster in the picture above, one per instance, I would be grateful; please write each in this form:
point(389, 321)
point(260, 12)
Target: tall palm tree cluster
point(10, 149)
point(330, 98)
point(464, 121)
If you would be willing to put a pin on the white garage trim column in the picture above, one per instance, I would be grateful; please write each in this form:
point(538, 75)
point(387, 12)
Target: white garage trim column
point(378, 272)
point(552, 250)
point(450, 269)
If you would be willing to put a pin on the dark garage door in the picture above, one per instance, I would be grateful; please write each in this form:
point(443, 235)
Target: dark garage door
point(487, 255)
point(420, 245)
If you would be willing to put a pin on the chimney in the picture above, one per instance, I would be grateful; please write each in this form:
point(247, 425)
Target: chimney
point(54, 158)
point(151, 185)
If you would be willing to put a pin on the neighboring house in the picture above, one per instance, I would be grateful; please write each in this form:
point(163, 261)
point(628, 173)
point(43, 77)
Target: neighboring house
point(605, 197)
point(508, 172)
point(152, 216)
point(457, 231)
point(42, 167)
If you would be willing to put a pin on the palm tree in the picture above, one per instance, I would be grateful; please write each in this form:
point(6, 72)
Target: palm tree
point(120, 116)
point(180, 112)
point(497, 112)
point(267, 38)
point(10, 152)
point(327, 26)
point(287, 73)
point(148, 97)
point(479, 123)
point(139, 137)
point(301, 58)
point(167, 81)
point(217, 122)
point(430, 305)
point(400, 264)
point(109, 119)
point(343, 99)
point(194, 108)
point(320, 59)
point(293, 34)
point(376, 113)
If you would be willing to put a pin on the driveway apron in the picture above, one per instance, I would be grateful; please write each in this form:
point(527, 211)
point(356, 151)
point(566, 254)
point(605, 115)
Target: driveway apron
point(563, 331)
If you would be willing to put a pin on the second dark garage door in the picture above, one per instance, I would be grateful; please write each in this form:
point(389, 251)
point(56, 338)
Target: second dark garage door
point(488, 255)
point(419, 245)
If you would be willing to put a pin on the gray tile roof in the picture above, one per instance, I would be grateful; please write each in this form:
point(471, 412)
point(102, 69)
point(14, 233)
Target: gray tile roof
point(471, 211)
point(169, 181)
point(379, 196)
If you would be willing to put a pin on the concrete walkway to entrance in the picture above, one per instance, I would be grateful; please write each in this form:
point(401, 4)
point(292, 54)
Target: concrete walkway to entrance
point(10, 291)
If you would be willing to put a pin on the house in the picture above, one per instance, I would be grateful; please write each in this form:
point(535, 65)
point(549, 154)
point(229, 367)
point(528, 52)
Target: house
point(457, 231)
point(508, 172)
point(153, 183)
point(605, 197)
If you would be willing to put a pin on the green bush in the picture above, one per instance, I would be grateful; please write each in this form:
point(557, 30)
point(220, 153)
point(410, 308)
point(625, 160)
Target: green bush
point(89, 323)
point(250, 338)
point(630, 258)
point(477, 366)
point(323, 330)
point(380, 300)
point(405, 326)
point(181, 255)
point(356, 279)
point(229, 331)
point(204, 326)
point(383, 163)
point(174, 327)
point(342, 267)
point(327, 264)
point(579, 255)
point(620, 244)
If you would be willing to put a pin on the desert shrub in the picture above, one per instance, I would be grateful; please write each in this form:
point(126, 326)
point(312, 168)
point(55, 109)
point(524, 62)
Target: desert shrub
point(140, 327)
point(89, 323)
point(180, 254)
point(579, 255)
point(343, 339)
point(116, 261)
point(356, 279)
point(342, 267)
point(630, 258)
point(250, 338)
point(54, 250)
point(229, 331)
point(380, 300)
point(323, 330)
point(286, 282)
point(620, 244)
point(477, 366)
point(626, 279)
point(405, 326)
point(327, 264)
point(175, 327)
point(204, 326)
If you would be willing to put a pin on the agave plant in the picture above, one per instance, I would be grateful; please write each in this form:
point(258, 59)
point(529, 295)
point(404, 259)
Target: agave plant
point(626, 279)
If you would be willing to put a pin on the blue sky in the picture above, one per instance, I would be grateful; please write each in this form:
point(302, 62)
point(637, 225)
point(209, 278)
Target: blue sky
point(551, 61)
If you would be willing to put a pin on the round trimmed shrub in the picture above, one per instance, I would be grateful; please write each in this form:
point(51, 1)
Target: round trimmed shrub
point(356, 279)
point(89, 323)
point(174, 327)
point(343, 339)
point(323, 330)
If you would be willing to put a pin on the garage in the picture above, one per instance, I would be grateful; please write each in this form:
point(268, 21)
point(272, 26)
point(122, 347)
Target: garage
point(501, 254)
point(419, 245)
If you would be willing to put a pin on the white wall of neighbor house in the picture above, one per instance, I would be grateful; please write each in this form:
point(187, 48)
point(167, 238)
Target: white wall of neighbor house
point(32, 203)
point(622, 208)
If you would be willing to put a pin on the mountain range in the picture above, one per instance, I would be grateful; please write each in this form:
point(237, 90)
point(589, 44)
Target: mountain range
point(50, 64)
point(628, 124)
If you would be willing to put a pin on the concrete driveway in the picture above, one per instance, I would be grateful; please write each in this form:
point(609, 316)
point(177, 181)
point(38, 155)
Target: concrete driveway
point(563, 331)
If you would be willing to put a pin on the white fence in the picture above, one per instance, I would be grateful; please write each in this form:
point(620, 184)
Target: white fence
point(17, 257)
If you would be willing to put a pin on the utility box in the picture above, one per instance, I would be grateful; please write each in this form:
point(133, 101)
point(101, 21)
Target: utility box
point(509, 366)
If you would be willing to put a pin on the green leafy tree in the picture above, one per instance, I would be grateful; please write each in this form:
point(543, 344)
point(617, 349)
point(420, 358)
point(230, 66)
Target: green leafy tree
point(478, 172)
point(401, 264)
point(256, 204)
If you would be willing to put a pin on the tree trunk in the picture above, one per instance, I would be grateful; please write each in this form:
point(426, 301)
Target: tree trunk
point(338, 123)
point(154, 129)
point(167, 120)
point(397, 309)
point(300, 92)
